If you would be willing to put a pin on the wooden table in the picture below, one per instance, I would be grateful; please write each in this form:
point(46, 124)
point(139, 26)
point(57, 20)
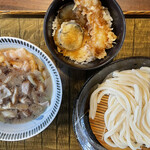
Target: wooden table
point(38, 7)
point(59, 135)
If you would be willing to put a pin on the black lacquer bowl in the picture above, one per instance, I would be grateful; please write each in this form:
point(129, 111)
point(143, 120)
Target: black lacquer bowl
point(119, 28)
point(80, 116)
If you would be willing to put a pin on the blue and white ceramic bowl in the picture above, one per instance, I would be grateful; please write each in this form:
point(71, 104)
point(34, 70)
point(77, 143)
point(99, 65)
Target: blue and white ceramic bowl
point(16, 132)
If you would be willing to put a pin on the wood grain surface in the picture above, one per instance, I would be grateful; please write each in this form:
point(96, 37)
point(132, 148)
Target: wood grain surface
point(59, 135)
point(36, 7)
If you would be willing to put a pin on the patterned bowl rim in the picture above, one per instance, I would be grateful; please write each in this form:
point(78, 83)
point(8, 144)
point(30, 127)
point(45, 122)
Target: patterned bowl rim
point(41, 122)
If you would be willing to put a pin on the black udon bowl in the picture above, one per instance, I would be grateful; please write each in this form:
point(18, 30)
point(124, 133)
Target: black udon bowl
point(80, 116)
point(119, 28)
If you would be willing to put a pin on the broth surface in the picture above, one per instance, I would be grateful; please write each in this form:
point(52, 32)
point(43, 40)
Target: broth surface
point(25, 86)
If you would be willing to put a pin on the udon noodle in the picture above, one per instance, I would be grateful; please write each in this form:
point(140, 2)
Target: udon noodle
point(127, 118)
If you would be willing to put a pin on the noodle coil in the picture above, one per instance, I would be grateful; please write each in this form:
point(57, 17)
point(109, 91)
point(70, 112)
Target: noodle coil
point(127, 118)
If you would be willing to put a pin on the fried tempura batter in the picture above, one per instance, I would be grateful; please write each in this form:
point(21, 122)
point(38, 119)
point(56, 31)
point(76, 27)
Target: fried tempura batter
point(95, 22)
point(102, 36)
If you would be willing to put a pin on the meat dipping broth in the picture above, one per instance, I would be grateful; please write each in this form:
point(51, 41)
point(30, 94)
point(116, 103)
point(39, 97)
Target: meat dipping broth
point(25, 86)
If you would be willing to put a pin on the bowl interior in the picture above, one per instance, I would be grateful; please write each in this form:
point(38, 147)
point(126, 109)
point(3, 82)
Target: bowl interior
point(118, 26)
point(24, 130)
point(80, 117)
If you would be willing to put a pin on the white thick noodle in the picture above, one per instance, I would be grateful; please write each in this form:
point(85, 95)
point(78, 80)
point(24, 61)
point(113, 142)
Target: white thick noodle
point(127, 118)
